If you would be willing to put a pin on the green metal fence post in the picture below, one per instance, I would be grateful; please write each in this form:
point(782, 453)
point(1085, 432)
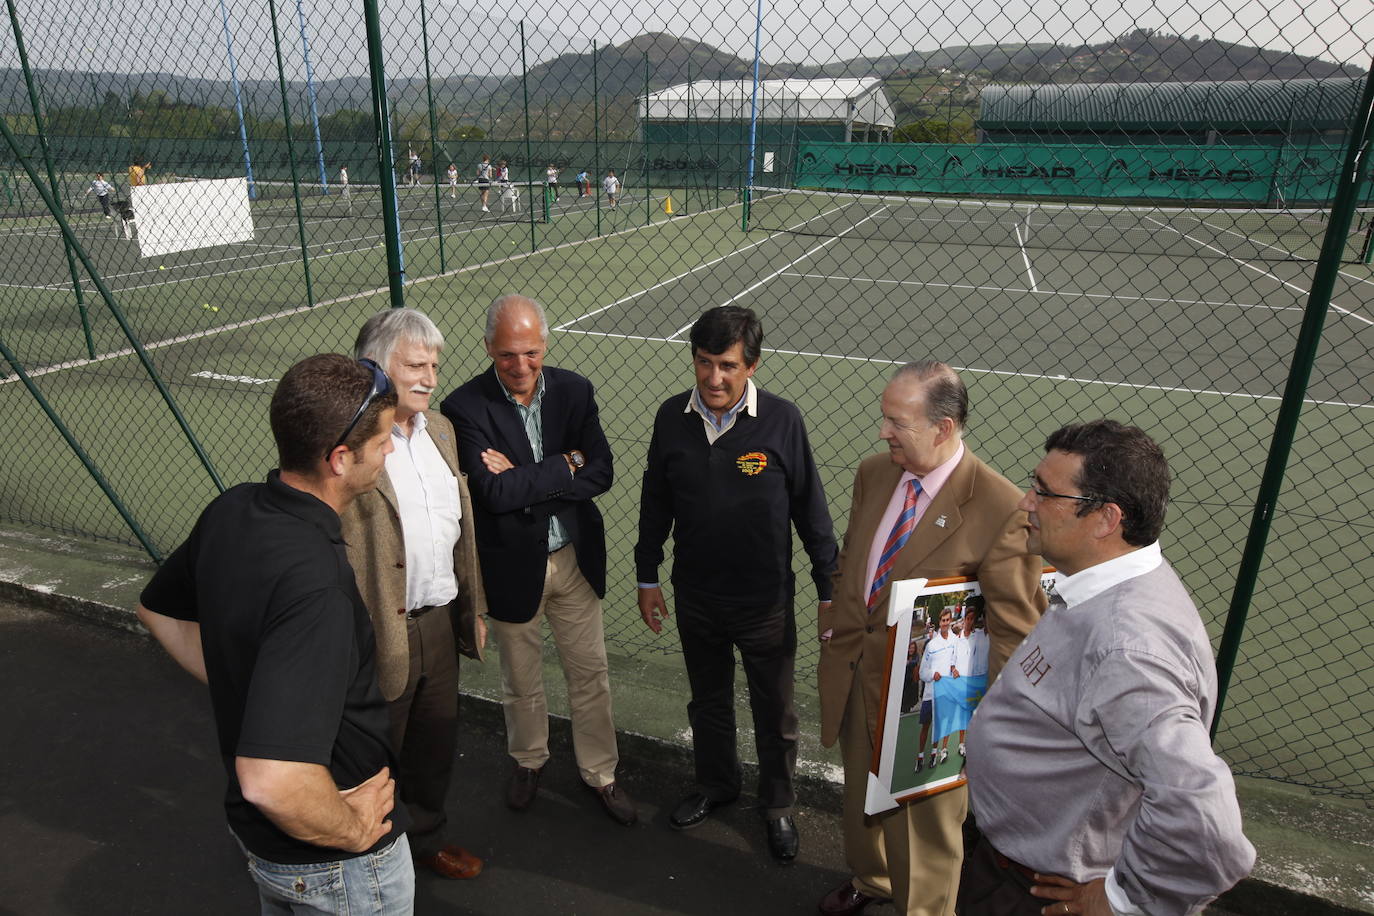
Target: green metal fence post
point(529, 161)
point(81, 455)
point(644, 148)
point(381, 113)
point(596, 135)
point(1304, 355)
point(38, 126)
point(108, 297)
point(433, 132)
point(291, 156)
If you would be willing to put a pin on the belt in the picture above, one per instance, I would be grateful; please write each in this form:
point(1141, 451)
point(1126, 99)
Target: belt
point(1003, 862)
point(420, 612)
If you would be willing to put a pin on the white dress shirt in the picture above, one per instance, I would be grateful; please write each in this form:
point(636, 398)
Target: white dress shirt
point(427, 501)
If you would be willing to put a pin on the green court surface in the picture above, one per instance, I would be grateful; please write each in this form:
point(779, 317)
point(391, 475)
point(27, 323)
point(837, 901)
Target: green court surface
point(1193, 348)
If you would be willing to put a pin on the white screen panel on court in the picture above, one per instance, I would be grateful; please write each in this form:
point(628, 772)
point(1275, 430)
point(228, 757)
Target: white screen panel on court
point(191, 214)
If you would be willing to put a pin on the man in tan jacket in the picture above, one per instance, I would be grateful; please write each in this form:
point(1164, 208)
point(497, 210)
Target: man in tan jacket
point(413, 552)
point(959, 518)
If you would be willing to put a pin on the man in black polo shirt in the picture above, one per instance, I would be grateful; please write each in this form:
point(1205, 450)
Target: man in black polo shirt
point(730, 471)
point(260, 603)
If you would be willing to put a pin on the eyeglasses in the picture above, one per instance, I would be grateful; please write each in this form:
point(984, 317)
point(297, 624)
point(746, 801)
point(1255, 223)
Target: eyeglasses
point(381, 386)
point(1046, 494)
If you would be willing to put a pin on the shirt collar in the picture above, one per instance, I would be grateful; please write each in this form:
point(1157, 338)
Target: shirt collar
point(421, 422)
point(304, 506)
point(749, 402)
point(1093, 581)
point(535, 401)
point(932, 482)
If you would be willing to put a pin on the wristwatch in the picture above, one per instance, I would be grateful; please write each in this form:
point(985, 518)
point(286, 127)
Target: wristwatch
point(576, 460)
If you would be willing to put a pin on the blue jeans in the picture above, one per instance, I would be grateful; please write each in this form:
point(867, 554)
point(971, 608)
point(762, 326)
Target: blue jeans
point(380, 884)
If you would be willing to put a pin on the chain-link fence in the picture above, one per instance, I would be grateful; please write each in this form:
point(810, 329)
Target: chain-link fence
point(1119, 214)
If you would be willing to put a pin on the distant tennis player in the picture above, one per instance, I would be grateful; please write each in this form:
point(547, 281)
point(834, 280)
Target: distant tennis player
point(484, 181)
point(611, 185)
point(551, 179)
point(102, 190)
point(453, 181)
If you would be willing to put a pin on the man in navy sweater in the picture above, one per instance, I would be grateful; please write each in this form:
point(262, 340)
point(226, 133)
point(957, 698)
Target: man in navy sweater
point(730, 471)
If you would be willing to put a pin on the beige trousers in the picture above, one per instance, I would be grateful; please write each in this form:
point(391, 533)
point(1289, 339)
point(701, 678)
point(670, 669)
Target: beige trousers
point(574, 615)
point(910, 854)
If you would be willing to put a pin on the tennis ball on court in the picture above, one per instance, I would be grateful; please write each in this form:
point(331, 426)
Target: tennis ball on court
point(328, 250)
point(160, 267)
point(205, 305)
point(214, 308)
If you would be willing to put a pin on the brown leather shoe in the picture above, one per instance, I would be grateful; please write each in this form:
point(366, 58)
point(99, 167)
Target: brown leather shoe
point(523, 786)
point(617, 803)
point(845, 900)
point(452, 862)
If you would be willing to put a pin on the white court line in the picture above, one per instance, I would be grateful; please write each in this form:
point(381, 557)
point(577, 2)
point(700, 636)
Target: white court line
point(1067, 293)
point(1169, 389)
point(1239, 235)
point(377, 291)
point(777, 273)
point(686, 273)
point(411, 235)
point(1025, 257)
point(1261, 272)
point(673, 279)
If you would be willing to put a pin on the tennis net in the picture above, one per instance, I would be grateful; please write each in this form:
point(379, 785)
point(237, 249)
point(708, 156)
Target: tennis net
point(1171, 232)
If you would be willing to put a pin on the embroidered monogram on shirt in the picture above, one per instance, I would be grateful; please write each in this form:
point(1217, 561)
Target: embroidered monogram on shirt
point(1035, 667)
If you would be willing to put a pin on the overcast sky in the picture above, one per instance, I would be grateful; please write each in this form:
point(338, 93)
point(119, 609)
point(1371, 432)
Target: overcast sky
point(187, 38)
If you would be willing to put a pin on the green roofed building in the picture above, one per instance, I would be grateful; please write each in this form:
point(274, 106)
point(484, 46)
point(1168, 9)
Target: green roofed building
point(704, 125)
point(1298, 113)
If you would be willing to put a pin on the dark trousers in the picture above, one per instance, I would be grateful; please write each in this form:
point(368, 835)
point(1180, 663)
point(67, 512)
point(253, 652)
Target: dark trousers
point(767, 642)
point(424, 728)
point(104, 203)
point(992, 886)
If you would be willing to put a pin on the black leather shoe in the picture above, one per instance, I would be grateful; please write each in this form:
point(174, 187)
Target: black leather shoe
point(845, 900)
point(523, 786)
point(783, 839)
point(693, 809)
point(617, 803)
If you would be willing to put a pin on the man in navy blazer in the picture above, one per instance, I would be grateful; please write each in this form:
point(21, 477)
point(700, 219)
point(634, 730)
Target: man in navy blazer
point(530, 441)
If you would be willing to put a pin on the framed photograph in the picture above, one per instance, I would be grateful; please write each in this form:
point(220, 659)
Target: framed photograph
point(936, 673)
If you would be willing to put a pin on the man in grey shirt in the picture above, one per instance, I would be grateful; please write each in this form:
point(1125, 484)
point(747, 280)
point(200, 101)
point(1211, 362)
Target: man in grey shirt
point(1090, 769)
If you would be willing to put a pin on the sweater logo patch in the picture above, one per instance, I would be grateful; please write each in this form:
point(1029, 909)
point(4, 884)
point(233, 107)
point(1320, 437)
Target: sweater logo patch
point(752, 463)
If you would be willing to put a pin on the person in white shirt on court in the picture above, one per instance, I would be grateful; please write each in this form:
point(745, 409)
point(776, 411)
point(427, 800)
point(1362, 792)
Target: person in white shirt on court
point(102, 190)
point(611, 185)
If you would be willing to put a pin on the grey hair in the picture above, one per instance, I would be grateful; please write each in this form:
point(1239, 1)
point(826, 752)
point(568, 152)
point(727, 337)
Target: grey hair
point(384, 331)
point(509, 302)
point(946, 395)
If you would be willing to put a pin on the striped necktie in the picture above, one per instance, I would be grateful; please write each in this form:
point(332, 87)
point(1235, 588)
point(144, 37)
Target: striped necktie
point(896, 539)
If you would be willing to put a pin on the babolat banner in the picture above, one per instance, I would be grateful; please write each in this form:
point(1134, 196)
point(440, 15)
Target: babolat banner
point(1267, 175)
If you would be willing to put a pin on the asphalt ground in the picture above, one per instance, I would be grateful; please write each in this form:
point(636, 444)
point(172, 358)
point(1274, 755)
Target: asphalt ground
point(110, 789)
